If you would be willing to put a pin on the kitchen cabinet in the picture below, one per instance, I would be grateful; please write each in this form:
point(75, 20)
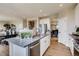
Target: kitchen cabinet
point(63, 36)
point(63, 33)
point(45, 24)
point(15, 50)
point(71, 45)
point(44, 44)
point(32, 47)
point(66, 27)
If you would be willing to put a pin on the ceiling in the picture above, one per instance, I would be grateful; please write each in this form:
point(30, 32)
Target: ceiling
point(26, 10)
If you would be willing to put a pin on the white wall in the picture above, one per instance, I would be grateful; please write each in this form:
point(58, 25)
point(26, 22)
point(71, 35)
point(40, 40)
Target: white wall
point(77, 16)
point(70, 19)
point(18, 23)
point(2, 23)
point(12, 20)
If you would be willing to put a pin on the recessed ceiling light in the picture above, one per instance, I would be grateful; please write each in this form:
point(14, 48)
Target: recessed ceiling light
point(60, 5)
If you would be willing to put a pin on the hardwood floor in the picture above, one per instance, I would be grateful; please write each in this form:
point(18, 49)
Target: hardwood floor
point(4, 50)
point(57, 49)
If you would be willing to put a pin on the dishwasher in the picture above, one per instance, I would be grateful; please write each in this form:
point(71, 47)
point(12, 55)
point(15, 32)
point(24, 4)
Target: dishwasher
point(34, 49)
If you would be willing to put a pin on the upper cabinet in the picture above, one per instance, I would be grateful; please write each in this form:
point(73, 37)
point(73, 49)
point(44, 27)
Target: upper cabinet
point(45, 25)
point(46, 21)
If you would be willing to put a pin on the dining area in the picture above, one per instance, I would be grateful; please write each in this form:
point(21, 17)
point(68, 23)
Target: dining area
point(8, 31)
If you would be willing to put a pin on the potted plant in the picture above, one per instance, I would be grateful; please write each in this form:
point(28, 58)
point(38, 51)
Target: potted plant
point(25, 35)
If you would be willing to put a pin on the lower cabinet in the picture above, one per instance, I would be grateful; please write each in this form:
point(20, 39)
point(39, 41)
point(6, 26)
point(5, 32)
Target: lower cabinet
point(67, 40)
point(71, 45)
point(44, 44)
point(15, 50)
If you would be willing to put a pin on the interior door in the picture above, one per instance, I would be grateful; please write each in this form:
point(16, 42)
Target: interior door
point(62, 28)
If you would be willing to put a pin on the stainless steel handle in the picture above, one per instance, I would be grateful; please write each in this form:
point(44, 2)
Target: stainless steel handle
point(34, 45)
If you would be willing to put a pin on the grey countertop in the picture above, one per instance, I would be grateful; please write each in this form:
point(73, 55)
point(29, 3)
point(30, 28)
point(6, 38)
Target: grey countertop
point(25, 42)
point(74, 36)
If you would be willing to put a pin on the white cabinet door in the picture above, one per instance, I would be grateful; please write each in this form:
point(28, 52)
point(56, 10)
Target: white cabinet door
point(15, 50)
point(44, 44)
point(48, 40)
point(71, 45)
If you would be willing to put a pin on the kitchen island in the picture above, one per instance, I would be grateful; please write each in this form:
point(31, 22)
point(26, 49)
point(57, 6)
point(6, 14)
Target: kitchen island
point(35, 46)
